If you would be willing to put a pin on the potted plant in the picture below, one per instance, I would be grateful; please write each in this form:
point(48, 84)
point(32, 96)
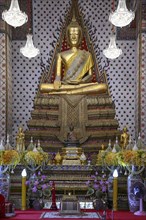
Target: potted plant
point(39, 188)
point(97, 187)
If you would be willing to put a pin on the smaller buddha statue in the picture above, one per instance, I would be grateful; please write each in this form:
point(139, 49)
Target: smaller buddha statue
point(102, 148)
point(124, 138)
point(20, 140)
point(102, 151)
point(71, 136)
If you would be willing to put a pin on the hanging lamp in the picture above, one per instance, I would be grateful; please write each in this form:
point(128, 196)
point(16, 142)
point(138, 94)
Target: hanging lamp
point(14, 16)
point(29, 50)
point(121, 16)
point(112, 52)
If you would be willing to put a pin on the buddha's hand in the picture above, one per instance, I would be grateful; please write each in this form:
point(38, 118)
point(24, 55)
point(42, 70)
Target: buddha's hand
point(73, 82)
point(57, 84)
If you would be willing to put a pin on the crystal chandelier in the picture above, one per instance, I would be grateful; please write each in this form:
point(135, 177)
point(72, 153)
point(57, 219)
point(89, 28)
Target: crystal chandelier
point(14, 16)
point(29, 50)
point(121, 16)
point(112, 52)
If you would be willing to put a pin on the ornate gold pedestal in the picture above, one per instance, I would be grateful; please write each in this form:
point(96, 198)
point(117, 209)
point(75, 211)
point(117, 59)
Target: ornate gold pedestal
point(71, 156)
point(93, 118)
point(70, 205)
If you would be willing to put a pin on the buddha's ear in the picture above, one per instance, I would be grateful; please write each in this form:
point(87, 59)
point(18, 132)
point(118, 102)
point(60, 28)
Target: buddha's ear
point(67, 36)
point(81, 35)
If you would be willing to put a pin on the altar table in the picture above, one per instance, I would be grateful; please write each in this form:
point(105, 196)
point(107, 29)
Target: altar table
point(35, 215)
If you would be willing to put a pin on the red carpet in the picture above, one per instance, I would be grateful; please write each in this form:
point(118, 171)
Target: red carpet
point(35, 215)
point(57, 215)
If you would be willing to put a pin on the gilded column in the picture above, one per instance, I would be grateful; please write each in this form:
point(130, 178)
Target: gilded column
point(141, 71)
point(5, 78)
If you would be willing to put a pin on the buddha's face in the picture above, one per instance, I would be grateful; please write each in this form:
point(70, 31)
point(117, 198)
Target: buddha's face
point(74, 35)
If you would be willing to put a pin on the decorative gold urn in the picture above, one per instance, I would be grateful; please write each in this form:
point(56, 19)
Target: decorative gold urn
point(71, 155)
point(58, 159)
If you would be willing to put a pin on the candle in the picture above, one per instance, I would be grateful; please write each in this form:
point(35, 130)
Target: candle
point(115, 190)
point(23, 195)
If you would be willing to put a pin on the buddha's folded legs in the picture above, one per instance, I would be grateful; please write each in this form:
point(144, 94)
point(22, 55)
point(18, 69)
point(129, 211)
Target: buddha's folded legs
point(88, 88)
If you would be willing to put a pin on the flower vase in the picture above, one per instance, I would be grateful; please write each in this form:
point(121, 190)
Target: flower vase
point(98, 204)
point(4, 183)
point(131, 180)
point(31, 200)
point(38, 204)
point(101, 201)
point(110, 189)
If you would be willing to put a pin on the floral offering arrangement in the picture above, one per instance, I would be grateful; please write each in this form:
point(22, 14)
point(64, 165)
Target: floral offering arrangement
point(39, 186)
point(107, 159)
point(130, 157)
point(9, 157)
point(98, 185)
point(122, 158)
point(35, 158)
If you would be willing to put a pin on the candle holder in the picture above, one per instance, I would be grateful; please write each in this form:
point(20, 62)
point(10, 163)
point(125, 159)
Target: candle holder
point(23, 198)
point(115, 190)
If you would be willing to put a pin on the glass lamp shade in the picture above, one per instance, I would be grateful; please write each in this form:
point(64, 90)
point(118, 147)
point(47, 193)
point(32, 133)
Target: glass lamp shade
point(112, 52)
point(29, 50)
point(121, 16)
point(14, 16)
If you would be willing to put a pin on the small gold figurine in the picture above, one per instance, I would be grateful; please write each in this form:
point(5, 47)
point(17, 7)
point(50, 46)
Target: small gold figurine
point(124, 138)
point(78, 65)
point(102, 147)
point(71, 136)
point(20, 140)
point(58, 158)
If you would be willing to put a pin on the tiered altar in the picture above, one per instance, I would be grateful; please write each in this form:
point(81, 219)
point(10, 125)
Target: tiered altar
point(73, 113)
point(73, 92)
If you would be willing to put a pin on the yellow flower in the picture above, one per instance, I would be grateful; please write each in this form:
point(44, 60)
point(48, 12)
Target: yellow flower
point(100, 158)
point(111, 159)
point(130, 157)
point(35, 158)
point(9, 157)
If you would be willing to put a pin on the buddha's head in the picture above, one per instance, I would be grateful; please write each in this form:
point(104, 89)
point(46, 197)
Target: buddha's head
point(125, 129)
point(74, 33)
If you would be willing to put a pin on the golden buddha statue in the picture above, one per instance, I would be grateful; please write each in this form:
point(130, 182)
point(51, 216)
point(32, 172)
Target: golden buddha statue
point(71, 136)
point(20, 140)
point(78, 68)
point(124, 139)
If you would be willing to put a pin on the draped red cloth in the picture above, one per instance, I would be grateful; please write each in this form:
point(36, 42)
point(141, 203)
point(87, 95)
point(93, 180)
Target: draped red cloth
point(53, 206)
point(35, 215)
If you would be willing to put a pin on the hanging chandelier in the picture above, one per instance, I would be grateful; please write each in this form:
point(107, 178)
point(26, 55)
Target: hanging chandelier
point(14, 16)
point(29, 50)
point(112, 52)
point(121, 16)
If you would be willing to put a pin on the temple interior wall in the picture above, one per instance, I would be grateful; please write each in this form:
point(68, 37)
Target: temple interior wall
point(121, 73)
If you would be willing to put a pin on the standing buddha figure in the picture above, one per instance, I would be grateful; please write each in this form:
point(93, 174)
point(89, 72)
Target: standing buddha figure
point(124, 139)
point(20, 140)
point(78, 65)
